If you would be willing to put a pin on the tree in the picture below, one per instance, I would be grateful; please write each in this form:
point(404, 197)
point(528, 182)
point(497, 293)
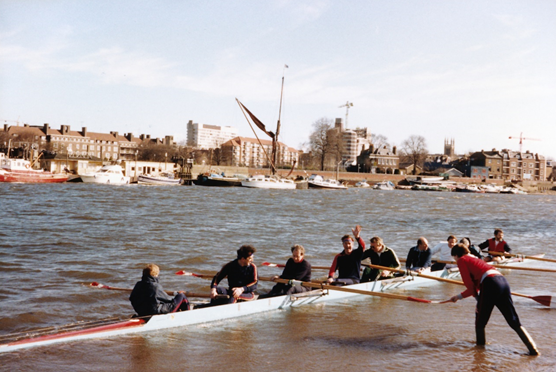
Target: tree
point(415, 150)
point(325, 142)
point(149, 151)
point(379, 141)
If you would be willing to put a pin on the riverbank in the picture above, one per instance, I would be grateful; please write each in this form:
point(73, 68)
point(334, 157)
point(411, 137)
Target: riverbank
point(351, 178)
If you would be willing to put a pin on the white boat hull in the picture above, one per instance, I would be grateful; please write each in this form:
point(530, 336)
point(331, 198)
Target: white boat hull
point(108, 174)
point(153, 180)
point(261, 182)
point(211, 314)
point(96, 178)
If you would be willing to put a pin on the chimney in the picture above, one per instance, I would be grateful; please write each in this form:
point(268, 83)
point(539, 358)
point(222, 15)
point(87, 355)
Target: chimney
point(26, 125)
point(64, 129)
point(115, 134)
point(394, 150)
point(6, 127)
point(129, 136)
point(84, 131)
point(45, 128)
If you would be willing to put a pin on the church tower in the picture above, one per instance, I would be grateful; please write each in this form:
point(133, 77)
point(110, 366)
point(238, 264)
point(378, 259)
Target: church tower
point(449, 148)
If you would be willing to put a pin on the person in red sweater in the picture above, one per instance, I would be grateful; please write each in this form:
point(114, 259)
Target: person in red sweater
point(490, 288)
point(348, 262)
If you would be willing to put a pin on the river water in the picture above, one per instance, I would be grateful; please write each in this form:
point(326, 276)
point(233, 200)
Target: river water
point(55, 238)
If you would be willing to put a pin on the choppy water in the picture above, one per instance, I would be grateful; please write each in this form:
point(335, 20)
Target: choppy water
point(54, 238)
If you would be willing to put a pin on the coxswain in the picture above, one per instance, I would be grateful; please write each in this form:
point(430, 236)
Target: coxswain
point(148, 297)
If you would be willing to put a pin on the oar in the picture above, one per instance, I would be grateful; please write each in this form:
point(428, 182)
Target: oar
point(270, 264)
point(506, 254)
point(352, 290)
point(243, 297)
point(187, 273)
point(171, 293)
point(544, 300)
point(508, 267)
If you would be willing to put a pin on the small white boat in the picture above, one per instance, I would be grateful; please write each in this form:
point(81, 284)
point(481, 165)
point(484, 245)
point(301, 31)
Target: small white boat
point(318, 182)
point(362, 184)
point(385, 185)
point(108, 174)
point(215, 313)
point(260, 181)
point(469, 188)
point(512, 190)
point(490, 189)
point(163, 178)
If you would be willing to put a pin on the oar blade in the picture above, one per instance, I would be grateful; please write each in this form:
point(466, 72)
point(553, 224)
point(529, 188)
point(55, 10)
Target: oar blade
point(543, 300)
point(183, 272)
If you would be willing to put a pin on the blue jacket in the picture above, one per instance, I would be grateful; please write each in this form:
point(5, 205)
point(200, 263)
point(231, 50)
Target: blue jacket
point(417, 259)
point(148, 297)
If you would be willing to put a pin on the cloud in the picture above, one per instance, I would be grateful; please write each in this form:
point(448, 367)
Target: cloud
point(518, 29)
point(304, 11)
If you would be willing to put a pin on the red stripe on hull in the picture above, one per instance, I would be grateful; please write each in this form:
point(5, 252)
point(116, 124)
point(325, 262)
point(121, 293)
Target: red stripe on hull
point(122, 325)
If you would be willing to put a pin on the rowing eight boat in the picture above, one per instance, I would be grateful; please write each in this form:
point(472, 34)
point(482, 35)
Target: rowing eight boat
point(214, 313)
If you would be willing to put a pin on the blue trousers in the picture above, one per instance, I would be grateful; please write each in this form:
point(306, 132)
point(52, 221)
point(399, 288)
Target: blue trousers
point(495, 291)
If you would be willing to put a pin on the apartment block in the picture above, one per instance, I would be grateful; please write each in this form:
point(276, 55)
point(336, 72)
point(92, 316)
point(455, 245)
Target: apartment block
point(206, 136)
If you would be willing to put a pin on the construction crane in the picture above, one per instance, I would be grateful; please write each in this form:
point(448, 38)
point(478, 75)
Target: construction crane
point(347, 106)
point(521, 138)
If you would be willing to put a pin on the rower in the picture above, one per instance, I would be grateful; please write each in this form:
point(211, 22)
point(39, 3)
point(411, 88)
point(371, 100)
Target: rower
point(496, 244)
point(472, 249)
point(242, 278)
point(419, 257)
point(148, 297)
point(296, 268)
point(379, 254)
point(444, 253)
point(348, 262)
point(490, 288)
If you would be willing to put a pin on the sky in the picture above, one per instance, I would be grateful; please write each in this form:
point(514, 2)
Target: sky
point(477, 72)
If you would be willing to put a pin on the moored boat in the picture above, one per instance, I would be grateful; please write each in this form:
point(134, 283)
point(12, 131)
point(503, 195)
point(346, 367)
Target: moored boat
point(107, 174)
point(20, 170)
point(363, 184)
point(318, 182)
point(164, 178)
point(260, 181)
point(385, 185)
point(214, 179)
point(430, 187)
point(469, 188)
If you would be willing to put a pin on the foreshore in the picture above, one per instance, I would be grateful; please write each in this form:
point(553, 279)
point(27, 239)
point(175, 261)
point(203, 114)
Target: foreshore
point(351, 178)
